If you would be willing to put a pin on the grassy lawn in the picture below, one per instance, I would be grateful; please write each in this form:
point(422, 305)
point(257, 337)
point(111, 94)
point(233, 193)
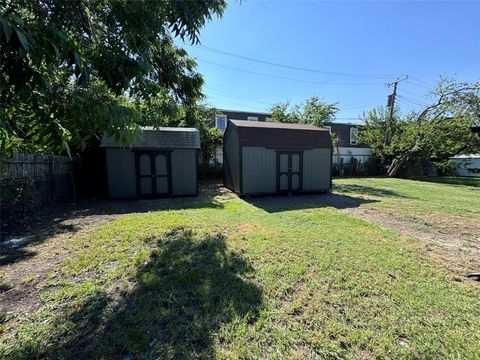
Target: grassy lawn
point(441, 197)
point(274, 277)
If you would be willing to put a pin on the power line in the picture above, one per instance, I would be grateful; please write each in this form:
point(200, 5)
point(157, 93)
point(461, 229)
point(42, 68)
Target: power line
point(217, 92)
point(413, 101)
point(222, 52)
point(409, 106)
point(354, 107)
point(236, 97)
point(423, 82)
point(285, 78)
point(413, 94)
point(419, 84)
point(234, 103)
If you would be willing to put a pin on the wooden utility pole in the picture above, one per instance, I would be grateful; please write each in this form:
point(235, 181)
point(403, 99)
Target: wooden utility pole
point(391, 106)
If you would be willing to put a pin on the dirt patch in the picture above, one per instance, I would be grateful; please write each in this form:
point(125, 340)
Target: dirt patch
point(29, 257)
point(246, 228)
point(454, 241)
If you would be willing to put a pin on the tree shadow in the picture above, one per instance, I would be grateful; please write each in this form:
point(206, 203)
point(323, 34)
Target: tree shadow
point(191, 286)
point(279, 203)
point(68, 218)
point(369, 191)
point(454, 181)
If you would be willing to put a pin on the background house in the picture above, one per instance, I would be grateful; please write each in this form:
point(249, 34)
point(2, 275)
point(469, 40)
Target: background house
point(223, 116)
point(348, 146)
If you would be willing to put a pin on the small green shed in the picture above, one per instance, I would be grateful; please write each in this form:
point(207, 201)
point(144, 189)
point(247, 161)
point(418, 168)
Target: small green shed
point(267, 158)
point(162, 163)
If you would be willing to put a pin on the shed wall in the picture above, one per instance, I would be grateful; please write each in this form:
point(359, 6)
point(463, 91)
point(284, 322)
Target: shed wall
point(184, 172)
point(259, 170)
point(121, 173)
point(231, 154)
point(316, 169)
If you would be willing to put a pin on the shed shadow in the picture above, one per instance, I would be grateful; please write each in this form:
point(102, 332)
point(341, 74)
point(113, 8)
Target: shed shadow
point(280, 203)
point(189, 288)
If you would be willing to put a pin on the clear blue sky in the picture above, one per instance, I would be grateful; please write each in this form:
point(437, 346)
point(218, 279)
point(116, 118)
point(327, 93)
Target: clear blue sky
point(422, 39)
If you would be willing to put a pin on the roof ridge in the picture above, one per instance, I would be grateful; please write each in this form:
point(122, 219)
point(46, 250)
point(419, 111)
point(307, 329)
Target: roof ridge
point(276, 125)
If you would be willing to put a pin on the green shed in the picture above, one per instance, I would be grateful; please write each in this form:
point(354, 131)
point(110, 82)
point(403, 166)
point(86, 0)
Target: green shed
point(267, 158)
point(163, 162)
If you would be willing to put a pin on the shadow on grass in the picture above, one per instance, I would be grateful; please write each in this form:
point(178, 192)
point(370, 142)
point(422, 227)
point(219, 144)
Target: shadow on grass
point(182, 296)
point(279, 203)
point(454, 181)
point(17, 233)
point(368, 190)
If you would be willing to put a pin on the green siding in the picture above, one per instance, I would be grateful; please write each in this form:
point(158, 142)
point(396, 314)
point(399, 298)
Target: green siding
point(316, 169)
point(122, 181)
point(259, 170)
point(121, 173)
point(231, 159)
point(184, 172)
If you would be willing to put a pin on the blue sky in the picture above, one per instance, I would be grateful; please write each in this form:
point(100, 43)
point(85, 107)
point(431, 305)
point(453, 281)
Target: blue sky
point(367, 43)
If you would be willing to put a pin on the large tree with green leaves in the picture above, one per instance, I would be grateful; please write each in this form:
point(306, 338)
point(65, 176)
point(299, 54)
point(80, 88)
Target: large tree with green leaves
point(313, 111)
point(438, 132)
point(70, 70)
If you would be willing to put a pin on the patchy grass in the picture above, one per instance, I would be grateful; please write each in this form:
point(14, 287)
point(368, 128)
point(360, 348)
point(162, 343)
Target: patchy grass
point(271, 277)
point(442, 212)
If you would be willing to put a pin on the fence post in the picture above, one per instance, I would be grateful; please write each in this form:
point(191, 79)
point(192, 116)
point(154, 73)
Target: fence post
point(53, 178)
point(25, 188)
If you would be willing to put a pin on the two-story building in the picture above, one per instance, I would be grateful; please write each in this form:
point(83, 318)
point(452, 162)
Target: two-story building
point(348, 146)
point(347, 134)
point(223, 116)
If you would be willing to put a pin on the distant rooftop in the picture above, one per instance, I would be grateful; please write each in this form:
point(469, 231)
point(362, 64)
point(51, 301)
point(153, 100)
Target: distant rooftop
point(275, 125)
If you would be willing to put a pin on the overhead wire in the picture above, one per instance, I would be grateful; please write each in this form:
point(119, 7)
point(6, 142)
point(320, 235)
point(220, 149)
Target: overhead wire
point(284, 77)
point(293, 67)
point(413, 101)
point(232, 102)
point(236, 97)
point(421, 81)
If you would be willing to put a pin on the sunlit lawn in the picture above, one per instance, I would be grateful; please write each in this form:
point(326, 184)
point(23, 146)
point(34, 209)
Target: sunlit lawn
point(262, 278)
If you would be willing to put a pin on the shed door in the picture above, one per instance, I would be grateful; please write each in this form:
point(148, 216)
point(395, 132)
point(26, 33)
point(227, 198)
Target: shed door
point(289, 171)
point(153, 169)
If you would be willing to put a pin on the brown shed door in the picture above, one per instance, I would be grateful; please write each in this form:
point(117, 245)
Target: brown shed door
point(153, 169)
point(289, 171)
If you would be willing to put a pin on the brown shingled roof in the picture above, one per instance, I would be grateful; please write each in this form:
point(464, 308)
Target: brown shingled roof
point(281, 135)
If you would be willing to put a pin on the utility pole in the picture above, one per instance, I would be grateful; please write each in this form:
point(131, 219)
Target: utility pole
point(391, 106)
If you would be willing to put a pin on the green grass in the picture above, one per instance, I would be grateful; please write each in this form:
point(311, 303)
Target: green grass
point(264, 278)
point(439, 196)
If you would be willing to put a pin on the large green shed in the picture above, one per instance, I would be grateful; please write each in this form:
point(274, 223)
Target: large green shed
point(267, 158)
point(163, 162)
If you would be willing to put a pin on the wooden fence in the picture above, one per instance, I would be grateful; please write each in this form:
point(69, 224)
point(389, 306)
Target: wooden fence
point(29, 180)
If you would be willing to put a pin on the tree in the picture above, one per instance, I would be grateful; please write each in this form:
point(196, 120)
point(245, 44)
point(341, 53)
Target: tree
point(211, 138)
point(62, 58)
point(313, 111)
point(438, 132)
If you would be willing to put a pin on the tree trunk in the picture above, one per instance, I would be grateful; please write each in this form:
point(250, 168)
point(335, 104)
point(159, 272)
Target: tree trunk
point(397, 163)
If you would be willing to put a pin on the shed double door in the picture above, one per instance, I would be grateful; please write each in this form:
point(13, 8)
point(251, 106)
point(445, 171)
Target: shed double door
point(289, 171)
point(154, 173)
